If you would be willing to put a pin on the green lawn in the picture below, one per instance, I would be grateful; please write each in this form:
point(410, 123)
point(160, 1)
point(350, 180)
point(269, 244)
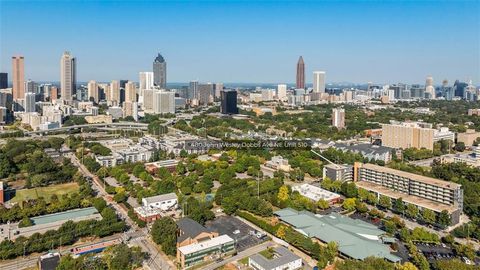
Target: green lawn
point(267, 253)
point(46, 192)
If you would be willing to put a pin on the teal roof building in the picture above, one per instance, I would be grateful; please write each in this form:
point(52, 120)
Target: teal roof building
point(356, 239)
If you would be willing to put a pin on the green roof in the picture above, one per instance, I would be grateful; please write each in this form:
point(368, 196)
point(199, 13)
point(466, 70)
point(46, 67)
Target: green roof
point(356, 239)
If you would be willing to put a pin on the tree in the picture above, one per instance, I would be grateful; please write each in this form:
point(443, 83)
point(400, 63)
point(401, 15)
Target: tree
point(398, 205)
point(164, 233)
point(349, 189)
point(323, 204)
point(25, 222)
point(362, 194)
point(453, 264)
point(412, 211)
point(460, 147)
point(444, 219)
point(281, 232)
point(283, 193)
point(372, 199)
point(349, 204)
point(361, 207)
point(385, 202)
point(428, 216)
point(406, 266)
point(389, 226)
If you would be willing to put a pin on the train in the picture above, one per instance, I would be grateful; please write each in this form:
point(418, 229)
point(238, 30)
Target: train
point(94, 248)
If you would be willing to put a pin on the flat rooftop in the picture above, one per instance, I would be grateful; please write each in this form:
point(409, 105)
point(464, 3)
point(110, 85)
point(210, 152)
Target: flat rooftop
point(424, 203)
point(64, 216)
point(415, 177)
point(281, 257)
point(216, 241)
point(315, 193)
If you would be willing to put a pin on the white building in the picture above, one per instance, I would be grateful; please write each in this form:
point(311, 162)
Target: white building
point(338, 118)
point(278, 163)
point(319, 81)
point(163, 102)
point(316, 193)
point(267, 94)
point(29, 102)
point(282, 259)
point(281, 91)
point(164, 202)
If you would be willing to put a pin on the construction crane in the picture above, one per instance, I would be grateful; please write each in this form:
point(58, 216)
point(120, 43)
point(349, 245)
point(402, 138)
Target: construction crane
point(329, 161)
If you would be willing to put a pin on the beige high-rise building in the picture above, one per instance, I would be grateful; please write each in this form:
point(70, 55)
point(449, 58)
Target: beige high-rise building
point(319, 81)
point(338, 118)
point(281, 91)
point(130, 92)
point(18, 77)
point(114, 92)
point(53, 93)
point(148, 100)
point(406, 135)
point(93, 91)
point(68, 75)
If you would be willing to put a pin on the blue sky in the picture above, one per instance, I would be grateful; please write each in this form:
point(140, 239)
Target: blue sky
point(246, 41)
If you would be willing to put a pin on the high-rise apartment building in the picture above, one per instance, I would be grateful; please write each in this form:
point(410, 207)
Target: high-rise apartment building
point(429, 88)
point(3, 80)
point(93, 93)
point(148, 100)
point(413, 134)
point(31, 86)
point(146, 80)
point(407, 135)
point(228, 102)
point(163, 102)
point(18, 77)
point(281, 91)
point(338, 118)
point(421, 191)
point(53, 93)
point(192, 92)
point(268, 94)
point(29, 102)
point(319, 81)
point(114, 93)
point(160, 72)
point(300, 73)
point(205, 93)
point(218, 90)
point(68, 76)
point(130, 92)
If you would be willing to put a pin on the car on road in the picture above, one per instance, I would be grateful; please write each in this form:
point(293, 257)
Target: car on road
point(236, 232)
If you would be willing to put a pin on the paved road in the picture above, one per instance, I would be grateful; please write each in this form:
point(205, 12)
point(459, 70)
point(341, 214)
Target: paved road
point(158, 260)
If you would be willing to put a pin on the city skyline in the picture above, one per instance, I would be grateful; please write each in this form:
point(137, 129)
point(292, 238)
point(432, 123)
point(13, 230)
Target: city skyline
point(253, 48)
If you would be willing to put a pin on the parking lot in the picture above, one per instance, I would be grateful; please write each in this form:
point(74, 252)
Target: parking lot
point(435, 252)
point(236, 229)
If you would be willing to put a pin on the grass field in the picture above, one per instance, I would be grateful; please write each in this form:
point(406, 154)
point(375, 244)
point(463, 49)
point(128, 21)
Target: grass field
point(46, 192)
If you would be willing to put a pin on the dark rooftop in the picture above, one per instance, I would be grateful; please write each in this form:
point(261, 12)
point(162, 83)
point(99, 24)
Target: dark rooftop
point(189, 228)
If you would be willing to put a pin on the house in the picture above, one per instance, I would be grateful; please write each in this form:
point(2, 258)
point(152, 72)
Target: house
point(282, 259)
point(164, 202)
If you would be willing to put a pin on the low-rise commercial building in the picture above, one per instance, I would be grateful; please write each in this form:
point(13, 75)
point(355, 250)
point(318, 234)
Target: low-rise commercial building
point(164, 202)
point(421, 191)
point(282, 259)
point(317, 193)
point(279, 163)
point(196, 244)
point(356, 239)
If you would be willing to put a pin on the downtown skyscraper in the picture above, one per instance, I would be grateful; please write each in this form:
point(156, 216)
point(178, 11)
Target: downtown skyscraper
point(18, 77)
point(160, 72)
point(68, 76)
point(300, 74)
